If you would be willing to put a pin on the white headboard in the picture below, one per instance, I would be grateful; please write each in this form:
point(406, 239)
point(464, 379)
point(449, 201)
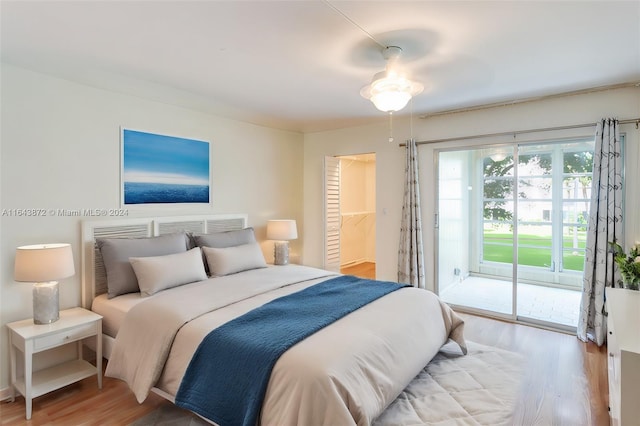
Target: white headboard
point(92, 266)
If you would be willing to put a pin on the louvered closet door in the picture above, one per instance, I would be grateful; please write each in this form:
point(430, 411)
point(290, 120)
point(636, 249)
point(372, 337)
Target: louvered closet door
point(332, 214)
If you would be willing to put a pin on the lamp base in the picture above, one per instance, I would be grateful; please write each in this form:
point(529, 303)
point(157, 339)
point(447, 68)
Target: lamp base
point(281, 253)
point(45, 303)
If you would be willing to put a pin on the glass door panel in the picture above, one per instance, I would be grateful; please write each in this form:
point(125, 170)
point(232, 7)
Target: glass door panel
point(552, 210)
point(475, 229)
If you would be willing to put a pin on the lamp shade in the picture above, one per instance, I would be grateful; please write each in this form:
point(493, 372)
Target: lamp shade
point(43, 262)
point(282, 230)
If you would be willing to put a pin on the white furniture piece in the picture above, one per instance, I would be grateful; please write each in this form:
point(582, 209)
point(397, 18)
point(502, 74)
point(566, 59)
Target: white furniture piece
point(28, 338)
point(623, 345)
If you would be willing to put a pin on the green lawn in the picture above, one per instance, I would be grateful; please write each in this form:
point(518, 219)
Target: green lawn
point(540, 255)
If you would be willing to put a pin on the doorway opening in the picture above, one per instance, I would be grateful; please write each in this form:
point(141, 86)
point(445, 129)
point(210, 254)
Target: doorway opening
point(357, 212)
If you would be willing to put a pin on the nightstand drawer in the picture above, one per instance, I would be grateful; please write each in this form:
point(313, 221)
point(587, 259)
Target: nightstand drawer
point(62, 337)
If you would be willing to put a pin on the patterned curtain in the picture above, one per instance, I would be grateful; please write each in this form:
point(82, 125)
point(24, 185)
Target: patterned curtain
point(410, 259)
point(605, 224)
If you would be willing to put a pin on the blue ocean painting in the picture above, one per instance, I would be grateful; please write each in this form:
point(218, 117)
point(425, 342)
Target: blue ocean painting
point(164, 169)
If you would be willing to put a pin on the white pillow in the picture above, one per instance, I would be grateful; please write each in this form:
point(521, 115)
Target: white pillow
point(229, 260)
point(158, 273)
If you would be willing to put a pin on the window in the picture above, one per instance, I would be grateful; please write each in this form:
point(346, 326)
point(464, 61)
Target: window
point(547, 196)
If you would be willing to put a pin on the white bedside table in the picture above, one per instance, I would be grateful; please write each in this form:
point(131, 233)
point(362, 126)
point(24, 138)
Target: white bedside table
point(74, 325)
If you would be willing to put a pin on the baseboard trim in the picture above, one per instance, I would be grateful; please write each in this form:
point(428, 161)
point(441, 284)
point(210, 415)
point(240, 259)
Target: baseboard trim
point(355, 262)
point(5, 394)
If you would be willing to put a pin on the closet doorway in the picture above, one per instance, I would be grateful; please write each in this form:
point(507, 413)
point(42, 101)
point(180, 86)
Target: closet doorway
point(351, 180)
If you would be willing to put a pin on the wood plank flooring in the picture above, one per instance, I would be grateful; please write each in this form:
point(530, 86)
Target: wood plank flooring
point(565, 384)
point(566, 379)
point(362, 270)
point(82, 403)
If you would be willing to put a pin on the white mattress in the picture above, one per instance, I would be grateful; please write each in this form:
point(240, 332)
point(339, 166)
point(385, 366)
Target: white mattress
point(114, 310)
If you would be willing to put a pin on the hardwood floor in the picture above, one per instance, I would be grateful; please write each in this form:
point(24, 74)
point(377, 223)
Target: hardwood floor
point(82, 403)
point(362, 270)
point(565, 384)
point(566, 379)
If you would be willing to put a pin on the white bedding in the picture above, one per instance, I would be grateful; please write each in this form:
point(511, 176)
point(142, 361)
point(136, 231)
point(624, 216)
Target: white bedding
point(114, 310)
point(347, 373)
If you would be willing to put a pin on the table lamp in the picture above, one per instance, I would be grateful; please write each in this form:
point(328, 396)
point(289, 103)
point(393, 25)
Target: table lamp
point(281, 231)
point(42, 265)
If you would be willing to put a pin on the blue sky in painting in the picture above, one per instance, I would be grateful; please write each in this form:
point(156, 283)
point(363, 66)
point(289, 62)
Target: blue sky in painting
point(152, 158)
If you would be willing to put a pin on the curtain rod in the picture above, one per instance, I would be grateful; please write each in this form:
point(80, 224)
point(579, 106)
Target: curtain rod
point(533, 99)
point(519, 132)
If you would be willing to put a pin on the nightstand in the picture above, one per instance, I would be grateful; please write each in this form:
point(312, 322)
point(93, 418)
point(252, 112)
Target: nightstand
point(74, 325)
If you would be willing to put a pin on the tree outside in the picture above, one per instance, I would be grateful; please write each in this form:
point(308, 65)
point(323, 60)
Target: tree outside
point(535, 197)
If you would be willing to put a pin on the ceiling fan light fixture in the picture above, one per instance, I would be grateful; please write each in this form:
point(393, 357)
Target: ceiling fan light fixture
point(498, 156)
point(390, 101)
point(390, 90)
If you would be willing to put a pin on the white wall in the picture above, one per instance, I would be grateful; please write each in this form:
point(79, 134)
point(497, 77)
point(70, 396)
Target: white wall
point(569, 110)
point(60, 149)
point(389, 159)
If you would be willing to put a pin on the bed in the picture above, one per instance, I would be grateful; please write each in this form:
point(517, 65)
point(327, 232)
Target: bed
point(348, 372)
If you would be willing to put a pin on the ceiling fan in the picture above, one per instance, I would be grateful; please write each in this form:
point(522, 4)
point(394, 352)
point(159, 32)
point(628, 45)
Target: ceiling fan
point(390, 90)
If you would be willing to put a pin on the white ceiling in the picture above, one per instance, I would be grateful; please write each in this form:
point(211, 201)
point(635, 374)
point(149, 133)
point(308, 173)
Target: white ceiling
point(299, 65)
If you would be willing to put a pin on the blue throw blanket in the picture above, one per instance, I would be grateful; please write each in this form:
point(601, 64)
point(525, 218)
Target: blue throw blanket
point(227, 377)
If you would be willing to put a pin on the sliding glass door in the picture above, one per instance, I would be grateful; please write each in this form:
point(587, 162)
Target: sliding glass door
point(512, 229)
point(475, 229)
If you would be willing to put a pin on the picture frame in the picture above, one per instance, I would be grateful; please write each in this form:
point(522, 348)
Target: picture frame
point(157, 169)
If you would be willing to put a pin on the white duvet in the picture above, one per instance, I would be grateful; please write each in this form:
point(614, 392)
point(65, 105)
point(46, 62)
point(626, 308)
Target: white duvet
point(345, 374)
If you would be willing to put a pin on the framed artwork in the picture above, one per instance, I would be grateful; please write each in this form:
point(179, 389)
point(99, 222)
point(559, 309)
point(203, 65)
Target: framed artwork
point(160, 169)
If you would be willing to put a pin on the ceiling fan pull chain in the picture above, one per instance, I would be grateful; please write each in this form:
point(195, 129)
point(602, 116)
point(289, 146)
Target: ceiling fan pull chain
point(390, 126)
point(411, 118)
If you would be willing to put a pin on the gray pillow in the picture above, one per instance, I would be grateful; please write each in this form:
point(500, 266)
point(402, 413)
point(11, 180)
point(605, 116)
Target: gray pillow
point(226, 239)
point(156, 273)
point(223, 240)
point(229, 260)
point(121, 279)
